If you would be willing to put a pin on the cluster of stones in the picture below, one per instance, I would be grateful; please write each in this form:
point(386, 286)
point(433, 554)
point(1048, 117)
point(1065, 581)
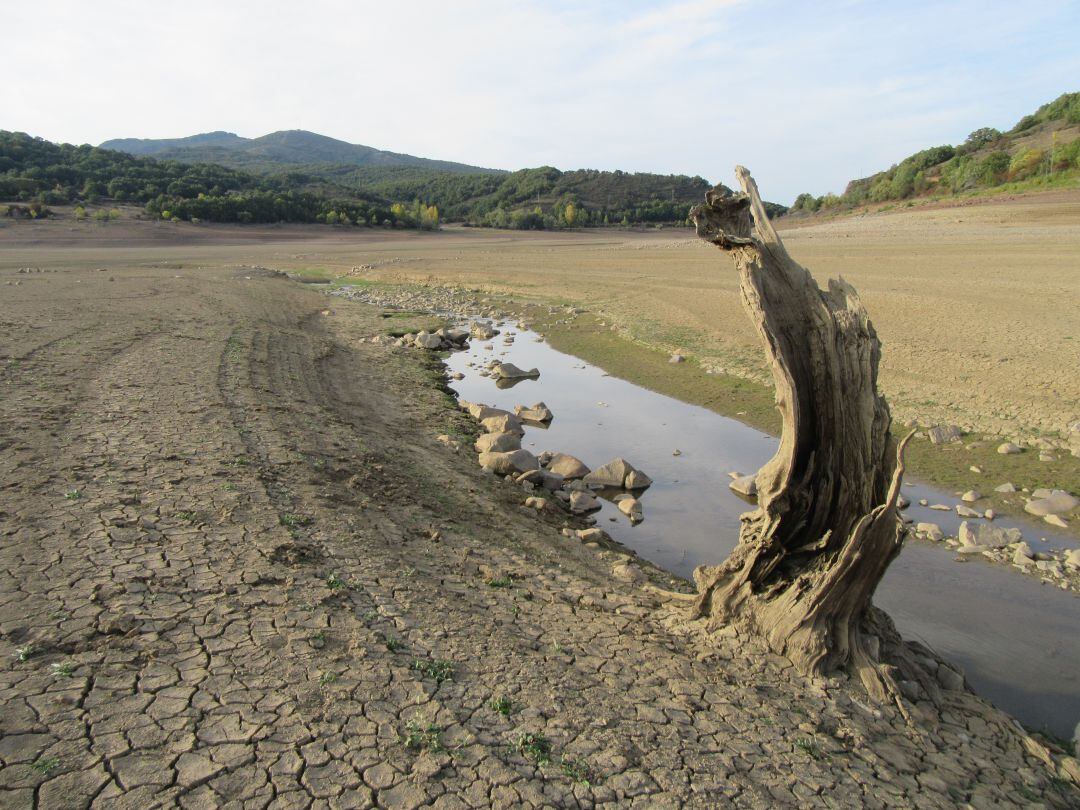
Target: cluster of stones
point(1045, 447)
point(439, 340)
point(552, 480)
point(1007, 546)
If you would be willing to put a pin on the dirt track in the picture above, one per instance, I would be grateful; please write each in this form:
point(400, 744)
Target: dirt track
point(217, 562)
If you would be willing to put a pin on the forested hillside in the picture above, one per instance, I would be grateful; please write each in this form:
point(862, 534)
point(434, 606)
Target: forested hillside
point(39, 173)
point(1042, 150)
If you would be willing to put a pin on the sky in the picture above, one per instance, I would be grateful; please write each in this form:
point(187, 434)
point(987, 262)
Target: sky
point(807, 95)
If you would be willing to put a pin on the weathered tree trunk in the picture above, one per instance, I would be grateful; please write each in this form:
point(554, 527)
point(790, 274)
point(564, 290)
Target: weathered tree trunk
point(811, 555)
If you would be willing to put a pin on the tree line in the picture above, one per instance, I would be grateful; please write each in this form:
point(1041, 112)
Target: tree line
point(987, 158)
point(38, 172)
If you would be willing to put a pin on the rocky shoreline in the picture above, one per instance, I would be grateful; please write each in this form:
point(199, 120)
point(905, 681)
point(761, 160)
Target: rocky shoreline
point(1057, 567)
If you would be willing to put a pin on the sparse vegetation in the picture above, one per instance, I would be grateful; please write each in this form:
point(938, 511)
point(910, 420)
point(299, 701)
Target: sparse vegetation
point(987, 159)
point(423, 735)
point(501, 705)
point(535, 747)
point(433, 668)
point(46, 765)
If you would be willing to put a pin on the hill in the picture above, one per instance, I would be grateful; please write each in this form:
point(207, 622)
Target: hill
point(272, 189)
point(288, 147)
point(1042, 150)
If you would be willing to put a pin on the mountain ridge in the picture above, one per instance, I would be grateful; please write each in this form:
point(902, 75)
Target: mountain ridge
point(291, 147)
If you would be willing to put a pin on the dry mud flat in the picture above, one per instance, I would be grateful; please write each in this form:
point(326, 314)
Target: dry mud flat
point(238, 570)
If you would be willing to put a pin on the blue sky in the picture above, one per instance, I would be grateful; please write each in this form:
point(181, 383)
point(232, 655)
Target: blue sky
point(806, 94)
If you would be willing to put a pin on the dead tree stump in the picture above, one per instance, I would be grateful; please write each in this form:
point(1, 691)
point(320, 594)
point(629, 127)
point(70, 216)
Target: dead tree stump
point(827, 526)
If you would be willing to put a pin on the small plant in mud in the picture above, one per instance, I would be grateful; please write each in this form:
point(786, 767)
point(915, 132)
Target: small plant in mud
point(46, 765)
point(239, 461)
point(335, 583)
point(73, 494)
point(63, 669)
point(327, 678)
point(188, 516)
point(534, 747)
point(318, 640)
point(505, 581)
point(408, 572)
point(25, 652)
point(292, 521)
point(433, 668)
point(501, 705)
point(422, 735)
point(393, 643)
point(577, 770)
point(810, 748)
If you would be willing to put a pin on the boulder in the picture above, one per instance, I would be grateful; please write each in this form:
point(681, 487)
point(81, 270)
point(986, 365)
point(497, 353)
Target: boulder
point(458, 336)
point(567, 466)
point(631, 507)
point(1006, 487)
point(1072, 558)
point(1009, 449)
point(612, 474)
point(582, 502)
point(508, 371)
point(511, 463)
point(677, 358)
point(1055, 520)
point(535, 503)
point(943, 434)
point(1055, 503)
point(637, 480)
point(502, 423)
point(967, 512)
point(971, 496)
point(428, 341)
point(483, 331)
point(986, 536)
point(593, 535)
point(745, 485)
point(538, 413)
point(498, 443)
point(930, 531)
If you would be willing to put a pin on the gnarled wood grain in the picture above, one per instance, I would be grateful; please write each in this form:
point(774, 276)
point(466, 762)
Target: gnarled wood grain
point(827, 527)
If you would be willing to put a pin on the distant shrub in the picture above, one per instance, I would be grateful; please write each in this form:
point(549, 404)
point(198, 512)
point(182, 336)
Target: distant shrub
point(1025, 163)
point(79, 212)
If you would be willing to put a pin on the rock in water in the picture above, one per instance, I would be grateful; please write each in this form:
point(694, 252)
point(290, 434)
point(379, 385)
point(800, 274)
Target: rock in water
point(931, 531)
point(508, 371)
point(631, 507)
point(970, 496)
point(615, 474)
point(582, 502)
point(638, 480)
point(538, 413)
point(483, 331)
point(745, 485)
point(567, 466)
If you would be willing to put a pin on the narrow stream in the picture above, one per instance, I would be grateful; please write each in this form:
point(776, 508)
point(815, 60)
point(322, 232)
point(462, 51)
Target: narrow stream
point(1014, 637)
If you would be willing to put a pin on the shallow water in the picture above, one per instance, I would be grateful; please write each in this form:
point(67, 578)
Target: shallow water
point(1014, 637)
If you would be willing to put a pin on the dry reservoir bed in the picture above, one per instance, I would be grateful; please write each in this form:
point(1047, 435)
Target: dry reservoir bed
point(237, 567)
